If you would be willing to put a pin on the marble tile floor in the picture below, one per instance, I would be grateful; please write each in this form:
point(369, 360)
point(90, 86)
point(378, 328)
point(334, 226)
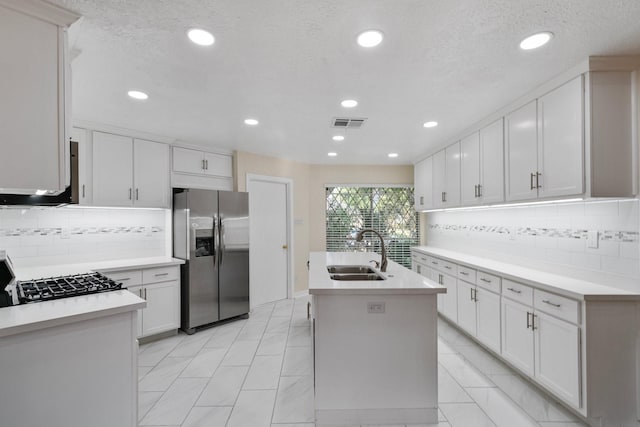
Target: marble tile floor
point(257, 372)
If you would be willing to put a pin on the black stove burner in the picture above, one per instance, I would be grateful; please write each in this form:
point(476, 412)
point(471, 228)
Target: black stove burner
point(64, 286)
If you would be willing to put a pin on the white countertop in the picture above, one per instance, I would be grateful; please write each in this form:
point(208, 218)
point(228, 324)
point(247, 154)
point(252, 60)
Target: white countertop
point(556, 283)
point(399, 280)
point(30, 317)
point(40, 271)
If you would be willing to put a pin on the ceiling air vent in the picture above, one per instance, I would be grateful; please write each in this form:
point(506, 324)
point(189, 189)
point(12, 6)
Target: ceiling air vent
point(345, 122)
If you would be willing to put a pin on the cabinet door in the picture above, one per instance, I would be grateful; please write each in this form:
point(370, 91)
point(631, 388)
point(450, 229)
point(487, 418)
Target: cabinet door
point(419, 185)
point(85, 176)
point(162, 312)
point(438, 164)
point(488, 318)
point(452, 174)
point(450, 308)
point(517, 338)
point(561, 142)
point(188, 161)
point(218, 165)
point(557, 355)
point(32, 106)
point(492, 163)
point(151, 174)
point(521, 151)
point(466, 307)
point(470, 169)
point(112, 170)
point(137, 290)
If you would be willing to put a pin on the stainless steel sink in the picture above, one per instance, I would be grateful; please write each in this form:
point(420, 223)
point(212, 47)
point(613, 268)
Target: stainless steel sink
point(349, 269)
point(369, 276)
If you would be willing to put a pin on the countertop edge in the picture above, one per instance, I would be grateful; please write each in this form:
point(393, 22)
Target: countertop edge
point(598, 292)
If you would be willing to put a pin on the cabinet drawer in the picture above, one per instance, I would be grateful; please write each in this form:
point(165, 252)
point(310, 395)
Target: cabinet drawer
point(128, 278)
point(517, 292)
point(443, 266)
point(467, 274)
point(489, 281)
point(160, 274)
point(562, 307)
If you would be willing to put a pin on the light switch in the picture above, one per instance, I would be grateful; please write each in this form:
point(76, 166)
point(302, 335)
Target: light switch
point(592, 239)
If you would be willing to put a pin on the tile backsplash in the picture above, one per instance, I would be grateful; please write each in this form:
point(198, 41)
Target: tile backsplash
point(43, 236)
point(558, 237)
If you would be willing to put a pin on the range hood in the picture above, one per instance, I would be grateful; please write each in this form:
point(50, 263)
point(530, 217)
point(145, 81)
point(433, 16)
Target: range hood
point(68, 196)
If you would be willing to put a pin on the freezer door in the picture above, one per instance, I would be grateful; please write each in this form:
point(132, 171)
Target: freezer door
point(233, 259)
point(202, 282)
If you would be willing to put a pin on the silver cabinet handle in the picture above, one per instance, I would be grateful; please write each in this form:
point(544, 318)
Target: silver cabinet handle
point(514, 290)
point(529, 315)
point(206, 164)
point(485, 280)
point(533, 322)
point(479, 190)
point(83, 195)
point(145, 294)
point(471, 289)
point(130, 190)
point(464, 273)
point(475, 295)
point(538, 175)
point(551, 303)
point(422, 258)
point(421, 200)
point(434, 262)
point(136, 194)
point(140, 292)
point(203, 168)
point(447, 267)
point(125, 279)
point(161, 274)
point(444, 196)
point(531, 181)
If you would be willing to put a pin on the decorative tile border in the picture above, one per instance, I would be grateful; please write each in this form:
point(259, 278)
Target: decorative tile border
point(611, 235)
point(56, 231)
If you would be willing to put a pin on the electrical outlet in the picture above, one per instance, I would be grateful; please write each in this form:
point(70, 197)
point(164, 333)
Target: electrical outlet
point(375, 307)
point(592, 239)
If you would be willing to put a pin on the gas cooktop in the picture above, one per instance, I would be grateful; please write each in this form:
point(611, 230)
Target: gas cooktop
point(64, 286)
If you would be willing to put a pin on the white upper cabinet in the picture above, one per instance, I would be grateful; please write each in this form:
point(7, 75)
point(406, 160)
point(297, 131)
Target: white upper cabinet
point(422, 176)
point(521, 153)
point(34, 84)
point(128, 172)
point(470, 169)
point(452, 183)
point(200, 169)
point(560, 141)
point(491, 186)
point(439, 177)
point(151, 174)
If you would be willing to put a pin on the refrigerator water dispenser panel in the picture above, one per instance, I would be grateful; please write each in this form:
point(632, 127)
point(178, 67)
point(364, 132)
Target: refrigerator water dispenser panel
point(204, 243)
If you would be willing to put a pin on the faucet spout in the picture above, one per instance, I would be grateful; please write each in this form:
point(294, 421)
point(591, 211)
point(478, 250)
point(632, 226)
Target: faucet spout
point(383, 261)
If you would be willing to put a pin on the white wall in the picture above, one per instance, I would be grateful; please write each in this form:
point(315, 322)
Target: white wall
point(42, 236)
point(551, 237)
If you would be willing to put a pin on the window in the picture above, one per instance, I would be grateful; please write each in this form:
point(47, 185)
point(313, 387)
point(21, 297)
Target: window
point(388, 210)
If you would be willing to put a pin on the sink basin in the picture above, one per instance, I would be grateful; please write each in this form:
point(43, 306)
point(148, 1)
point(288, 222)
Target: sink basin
point(369, 276)
point(349, 269)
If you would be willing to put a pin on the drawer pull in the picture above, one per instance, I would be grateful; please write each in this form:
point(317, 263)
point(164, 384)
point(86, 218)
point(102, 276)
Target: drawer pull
point(464, 273)
point(422, 258)
point(161, 274)
point(551, 303)
point(124, 279)
point(515, 290)
point(529, 319)
point(434, 263)
point(447, 267)
point(485, 280)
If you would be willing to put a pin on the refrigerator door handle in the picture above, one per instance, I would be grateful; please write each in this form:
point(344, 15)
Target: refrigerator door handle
point(221, 237)
point(216, 248)
point(188, 237)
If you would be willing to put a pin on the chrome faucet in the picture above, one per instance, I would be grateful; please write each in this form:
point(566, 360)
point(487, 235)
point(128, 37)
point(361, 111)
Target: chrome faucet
point(383, 261)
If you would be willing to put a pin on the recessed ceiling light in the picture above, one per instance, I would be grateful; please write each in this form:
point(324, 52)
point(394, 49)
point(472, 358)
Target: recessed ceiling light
point(370, 38)
point(349, 103)
point(201, 37)
point(332, 154)
point(535, 41)
point(393, 155)
point(136, 94)
point(430, 124)
point(251, 122)
point(338, 138)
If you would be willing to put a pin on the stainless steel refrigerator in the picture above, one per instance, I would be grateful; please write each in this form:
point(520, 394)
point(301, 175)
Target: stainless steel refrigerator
point(211, 233)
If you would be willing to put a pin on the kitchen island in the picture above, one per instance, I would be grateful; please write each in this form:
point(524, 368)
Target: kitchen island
point(70, 362)
point(375, 344)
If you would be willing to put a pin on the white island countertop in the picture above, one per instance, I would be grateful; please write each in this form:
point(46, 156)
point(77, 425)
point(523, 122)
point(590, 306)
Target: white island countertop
point(399, 280)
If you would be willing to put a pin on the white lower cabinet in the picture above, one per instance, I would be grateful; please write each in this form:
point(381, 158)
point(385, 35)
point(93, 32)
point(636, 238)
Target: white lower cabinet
point(448, 302)
point(479, 313)
point(543, 346)
point(160, 287)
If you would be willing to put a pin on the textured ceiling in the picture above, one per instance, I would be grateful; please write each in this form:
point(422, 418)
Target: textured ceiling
point(288, 63)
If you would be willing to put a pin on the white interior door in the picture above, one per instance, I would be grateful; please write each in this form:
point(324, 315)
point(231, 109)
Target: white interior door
point(269, 248)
